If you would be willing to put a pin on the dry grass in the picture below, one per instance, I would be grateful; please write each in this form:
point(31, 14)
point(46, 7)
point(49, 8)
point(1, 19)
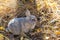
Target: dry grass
point(45, 10)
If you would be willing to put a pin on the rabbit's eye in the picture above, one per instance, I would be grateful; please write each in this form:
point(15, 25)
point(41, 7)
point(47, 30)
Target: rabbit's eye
point(33, 20)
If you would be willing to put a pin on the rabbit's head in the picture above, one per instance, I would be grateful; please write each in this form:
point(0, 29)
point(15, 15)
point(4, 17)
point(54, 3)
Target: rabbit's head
point(31, 18)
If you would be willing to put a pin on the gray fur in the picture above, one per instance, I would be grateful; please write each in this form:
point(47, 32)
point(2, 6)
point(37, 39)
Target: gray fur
point(24, 24)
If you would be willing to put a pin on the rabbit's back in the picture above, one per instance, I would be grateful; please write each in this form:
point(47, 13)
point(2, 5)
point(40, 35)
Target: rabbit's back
point(17, 25)
point(14, 26)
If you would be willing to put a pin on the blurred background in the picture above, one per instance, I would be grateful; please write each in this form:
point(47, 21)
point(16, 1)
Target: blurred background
point(47, 12)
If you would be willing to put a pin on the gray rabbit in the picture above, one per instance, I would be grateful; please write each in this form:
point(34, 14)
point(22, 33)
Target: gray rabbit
point(23, 24)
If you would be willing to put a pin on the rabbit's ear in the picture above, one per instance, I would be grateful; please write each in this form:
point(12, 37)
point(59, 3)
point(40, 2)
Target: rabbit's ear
point(27, 13)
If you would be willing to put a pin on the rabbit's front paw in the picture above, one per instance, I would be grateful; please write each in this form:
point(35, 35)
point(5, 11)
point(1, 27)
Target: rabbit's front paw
point(21, 38)
point(27, 39)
